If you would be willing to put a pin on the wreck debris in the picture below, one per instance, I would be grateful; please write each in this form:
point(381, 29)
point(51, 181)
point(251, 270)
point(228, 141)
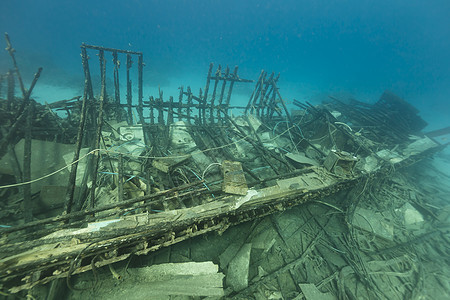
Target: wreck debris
point(340, 163)
point(164, 280)
point(11, 52)
point(237, 272)
point(154, 181)
point(233, 178)
point(311, 292)
point(73, 172)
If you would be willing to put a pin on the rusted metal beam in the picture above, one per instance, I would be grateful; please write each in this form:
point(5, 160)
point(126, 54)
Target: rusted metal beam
point(201, 118)
point(261, 105)
point(120, 179)
point(271, 105)
point(224, 83)
point(170, 112)
point(140, 78)
point(180, 103)
point(81, 127)
point(140, 108)
point(117, 86)
point(253, 95)
point(11, 51)
point(231, 79)
point(151, 108)
point(129, 91)
point(230, 89)
point(110, 49)
point(27, 206)
point(159, 105)
point(21, 114)
point(98, 134)
point(222, 91)
point(213, 98)
point(288, 115)
point(208, 79)
point(189, 104)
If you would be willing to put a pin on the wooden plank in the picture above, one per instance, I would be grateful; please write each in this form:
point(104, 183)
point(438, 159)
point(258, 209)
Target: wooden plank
point(233, 178)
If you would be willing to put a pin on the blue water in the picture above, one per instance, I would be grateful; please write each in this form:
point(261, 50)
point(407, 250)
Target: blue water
point(358, 48)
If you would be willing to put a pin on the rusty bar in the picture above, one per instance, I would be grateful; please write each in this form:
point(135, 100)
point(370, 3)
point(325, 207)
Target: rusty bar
point(226, 78)
point(204, 105)
point(159, 105)
point(11, 51)
point(140, 108)
point(250, 101)
point(152, 107)
point(170, 111)
point(73, 171)
point(205, 96)
point(87, 73)
point(27, 207)
point(33, 83)
point(213, 98)
point(258, 93)
point(129, 96)
point(189, 104)
point(20, 116)
point(140, 92)
point(120, 179)
point(140, 79)
point(98, 135)
point(199, 108)
point(227, 73)
point(267, 99)
point(180, 103)
point(271, 105)
point(288, 116)
point(117, 86)
point(230, 89)
point(194, 98)
point(262, 96)
point(208, 79)
point(102, 62)
point(232, 79)
point(110, 49)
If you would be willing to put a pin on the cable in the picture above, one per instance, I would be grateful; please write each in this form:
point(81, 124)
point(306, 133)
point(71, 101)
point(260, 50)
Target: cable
point(210, 165)
point(51, 174)
point(192, 171)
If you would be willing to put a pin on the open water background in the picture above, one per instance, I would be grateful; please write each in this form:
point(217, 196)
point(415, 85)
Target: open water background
point(346, 48)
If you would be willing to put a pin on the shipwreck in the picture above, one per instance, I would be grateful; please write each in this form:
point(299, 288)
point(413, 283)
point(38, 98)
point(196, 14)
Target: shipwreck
point(90, 182)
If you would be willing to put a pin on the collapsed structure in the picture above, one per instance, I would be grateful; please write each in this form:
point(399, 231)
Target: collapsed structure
point(118, 178)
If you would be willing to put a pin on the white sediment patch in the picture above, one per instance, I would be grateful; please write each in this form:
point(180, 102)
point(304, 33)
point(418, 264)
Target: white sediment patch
point(244, 199)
